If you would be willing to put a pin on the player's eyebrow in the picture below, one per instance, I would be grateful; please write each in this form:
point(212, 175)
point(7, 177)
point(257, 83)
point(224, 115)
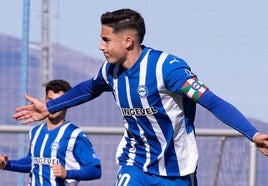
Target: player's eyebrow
point(104, 38)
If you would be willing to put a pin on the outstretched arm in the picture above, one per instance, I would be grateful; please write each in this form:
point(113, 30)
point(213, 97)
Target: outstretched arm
point(228, 114)
point(79, 94)
point(35, 111)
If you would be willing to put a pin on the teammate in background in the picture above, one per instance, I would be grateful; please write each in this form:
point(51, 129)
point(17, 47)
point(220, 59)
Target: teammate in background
point(60, 153)
point(157, 94)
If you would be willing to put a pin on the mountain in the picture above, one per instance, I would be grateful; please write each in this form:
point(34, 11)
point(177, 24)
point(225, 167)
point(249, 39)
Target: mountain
point(67, 64)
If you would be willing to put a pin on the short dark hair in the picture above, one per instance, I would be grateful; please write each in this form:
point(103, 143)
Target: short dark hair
point(124, 19)
point(58, 85)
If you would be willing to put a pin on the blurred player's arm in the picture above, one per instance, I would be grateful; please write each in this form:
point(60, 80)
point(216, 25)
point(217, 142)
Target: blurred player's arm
point(87, 172)
point(21, 165)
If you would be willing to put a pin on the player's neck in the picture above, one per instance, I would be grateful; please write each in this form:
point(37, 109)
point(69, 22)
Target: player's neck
point(132, 57)
point(53, 123)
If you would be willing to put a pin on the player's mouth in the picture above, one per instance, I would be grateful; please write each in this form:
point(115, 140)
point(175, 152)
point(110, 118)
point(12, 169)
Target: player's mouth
point(106, 55)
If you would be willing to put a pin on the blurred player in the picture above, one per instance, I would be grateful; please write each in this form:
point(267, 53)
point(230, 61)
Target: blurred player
point(60, 153)
point(157, 94)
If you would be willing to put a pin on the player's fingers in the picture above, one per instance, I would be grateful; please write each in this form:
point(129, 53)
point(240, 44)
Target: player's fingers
point(23, 108)
point(22, 115)
point(30, 120)
point(264, 151)
point(26, 118)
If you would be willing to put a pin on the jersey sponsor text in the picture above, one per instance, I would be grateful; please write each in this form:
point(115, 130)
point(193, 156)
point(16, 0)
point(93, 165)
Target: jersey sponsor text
point(45, 161)
point(138, 111)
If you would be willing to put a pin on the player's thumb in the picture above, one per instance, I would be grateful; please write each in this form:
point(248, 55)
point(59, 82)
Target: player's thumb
point(28, 98)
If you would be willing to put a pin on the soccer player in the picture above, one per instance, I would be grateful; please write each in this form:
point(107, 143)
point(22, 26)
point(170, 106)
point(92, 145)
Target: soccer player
point(60, 153)
point(157, 94)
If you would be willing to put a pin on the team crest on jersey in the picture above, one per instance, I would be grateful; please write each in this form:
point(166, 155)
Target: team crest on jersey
point(55, 146)
point(142, 91)
point(193, 88)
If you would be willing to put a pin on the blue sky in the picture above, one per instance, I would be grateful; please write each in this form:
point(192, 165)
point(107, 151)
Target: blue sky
point(225, 42)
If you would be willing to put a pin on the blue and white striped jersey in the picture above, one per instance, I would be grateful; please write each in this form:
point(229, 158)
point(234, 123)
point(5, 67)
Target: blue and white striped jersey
point(67, 145)
point(159, 136)
point(157, 97)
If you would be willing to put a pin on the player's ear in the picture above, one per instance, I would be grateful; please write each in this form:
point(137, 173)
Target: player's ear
point(128, 42)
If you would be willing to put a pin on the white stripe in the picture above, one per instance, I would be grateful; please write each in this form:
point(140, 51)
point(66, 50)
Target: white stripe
point(142, 75)
point(71, 163)
point(115, 85)
point(69, 158)
point(123, 142)
point(184, 144)
point(160, 85)
point(54, 153)
point(103, 71)
point(132, 150)
point(121, 145)
point(41, 156)
point(32, 148)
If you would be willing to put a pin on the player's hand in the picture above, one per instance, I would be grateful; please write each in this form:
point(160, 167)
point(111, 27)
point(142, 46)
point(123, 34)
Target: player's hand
point(35, 111)
point(261, 141)
point(59, 171)
point(3, 161)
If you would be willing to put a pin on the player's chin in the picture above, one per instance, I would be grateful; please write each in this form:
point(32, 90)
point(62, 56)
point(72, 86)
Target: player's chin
point(52, 116)
point(111, 61)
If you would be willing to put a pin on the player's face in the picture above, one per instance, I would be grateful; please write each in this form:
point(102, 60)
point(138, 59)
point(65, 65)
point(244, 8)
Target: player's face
point(50, 96)
point(113, 45)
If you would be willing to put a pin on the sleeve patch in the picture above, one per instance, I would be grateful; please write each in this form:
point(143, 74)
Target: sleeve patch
point(193, 89)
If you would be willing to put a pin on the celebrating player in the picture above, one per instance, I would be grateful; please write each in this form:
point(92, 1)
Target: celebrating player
point(60, 153)
point(157, 94)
